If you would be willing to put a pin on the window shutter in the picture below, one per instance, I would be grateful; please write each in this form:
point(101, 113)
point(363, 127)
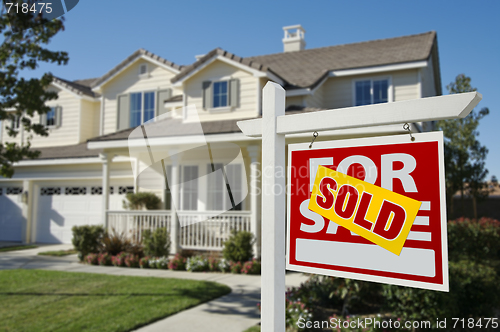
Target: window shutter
point(207, 95)
point(43, 119)
point(58, 116)
point(233, 93)
point(123, 102)
point(161, 96)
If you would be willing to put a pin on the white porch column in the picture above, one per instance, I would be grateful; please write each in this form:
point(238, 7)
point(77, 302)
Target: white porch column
point(253, 152)
point(27, 200)
point(106, 161)
point(174, 205)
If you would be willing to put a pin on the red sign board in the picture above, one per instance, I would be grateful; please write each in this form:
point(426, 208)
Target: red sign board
point(414, 169)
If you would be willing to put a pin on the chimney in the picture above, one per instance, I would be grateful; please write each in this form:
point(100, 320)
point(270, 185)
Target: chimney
point(294, 38)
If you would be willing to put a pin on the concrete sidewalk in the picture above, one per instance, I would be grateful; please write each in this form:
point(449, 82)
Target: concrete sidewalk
point(236, 311)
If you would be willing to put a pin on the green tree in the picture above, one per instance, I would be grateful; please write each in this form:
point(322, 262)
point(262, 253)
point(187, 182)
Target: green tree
point(23, 48)
point(464, 154)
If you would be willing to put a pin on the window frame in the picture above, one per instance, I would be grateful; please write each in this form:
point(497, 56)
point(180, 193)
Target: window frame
point(227, 94)
point(224, 195)
point(57, 117)
point(390, 94)
point(143, 105)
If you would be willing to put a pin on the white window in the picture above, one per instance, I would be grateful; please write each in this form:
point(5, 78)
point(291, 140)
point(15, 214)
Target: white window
point(189, 188)
point(220, 96)
point(371, 91)
point(143, 70)
point(142, 107)
point(223, 192)
point(52, 118)
point(15, 123)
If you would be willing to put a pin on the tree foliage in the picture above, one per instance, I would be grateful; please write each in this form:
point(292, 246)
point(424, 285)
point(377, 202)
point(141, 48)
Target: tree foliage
point(464, 155)
point(25, 37)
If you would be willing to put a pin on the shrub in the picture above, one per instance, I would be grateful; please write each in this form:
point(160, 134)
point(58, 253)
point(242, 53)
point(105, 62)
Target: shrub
point(235, 267)
point(86, 239)
point(91, 259)
point(177, 263)
point(137, 201)
point(115, 243)
point(104, 259)
point(251, 267)
point(131, 260)
point(238, 248)
point(144, 262)
point(156, 243)
point(474, 240)
point(223, 265)
point(197, 264)
point(119, 260)
point(213, 264)
point(160, 263)
point(473, 293)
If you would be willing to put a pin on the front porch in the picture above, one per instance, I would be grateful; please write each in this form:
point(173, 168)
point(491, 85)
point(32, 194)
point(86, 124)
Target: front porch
point(199, 230)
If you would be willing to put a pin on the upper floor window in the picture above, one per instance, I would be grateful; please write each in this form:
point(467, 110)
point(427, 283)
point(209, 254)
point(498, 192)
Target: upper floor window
point(142, 107)
point(220, 95)
point(371, 92)
point(15, 123)
point(52, 118)
point(138, 107)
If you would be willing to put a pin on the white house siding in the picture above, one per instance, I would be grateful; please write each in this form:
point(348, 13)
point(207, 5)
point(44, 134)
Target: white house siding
point(217, 71)
point(405, 85)
point(89, 123)
point(66, 134)
point(338, 92)
point(427, 76)
point(316, 99)
point(129, 81)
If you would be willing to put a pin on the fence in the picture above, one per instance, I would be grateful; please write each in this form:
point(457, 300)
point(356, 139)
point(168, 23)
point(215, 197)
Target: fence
point(198, 231)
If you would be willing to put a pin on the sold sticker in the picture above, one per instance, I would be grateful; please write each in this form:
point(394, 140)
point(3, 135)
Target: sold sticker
point(377, 214)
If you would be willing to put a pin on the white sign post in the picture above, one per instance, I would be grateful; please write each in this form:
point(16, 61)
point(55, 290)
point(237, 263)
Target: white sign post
point(273, 127)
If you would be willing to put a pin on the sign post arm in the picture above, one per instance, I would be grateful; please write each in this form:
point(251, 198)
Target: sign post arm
point(273, 211)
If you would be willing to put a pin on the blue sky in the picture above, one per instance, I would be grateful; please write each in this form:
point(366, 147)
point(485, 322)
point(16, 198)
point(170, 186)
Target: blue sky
point(100, 34)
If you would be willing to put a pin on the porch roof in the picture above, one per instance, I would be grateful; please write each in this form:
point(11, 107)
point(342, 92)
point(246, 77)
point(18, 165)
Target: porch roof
point(67, 151)
point(175, 127)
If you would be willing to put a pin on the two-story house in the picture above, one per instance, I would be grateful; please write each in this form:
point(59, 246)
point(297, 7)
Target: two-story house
point(88, 161)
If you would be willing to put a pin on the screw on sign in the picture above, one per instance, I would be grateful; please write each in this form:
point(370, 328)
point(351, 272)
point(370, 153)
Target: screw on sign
point(390, 190)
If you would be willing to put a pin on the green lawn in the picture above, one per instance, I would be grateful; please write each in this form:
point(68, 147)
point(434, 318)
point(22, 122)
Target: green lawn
point(34, 300)
point(19, 247)
point(58, 253)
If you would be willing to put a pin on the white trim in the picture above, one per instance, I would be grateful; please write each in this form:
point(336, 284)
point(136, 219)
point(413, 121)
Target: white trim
point(101, 116)
point(254, 72)
point(390, 88)
point(378, 69)
point(72, 178)
point(168, 141)
point(98, 88)
point(68, 161)
point(306, 91)
point(79, 96)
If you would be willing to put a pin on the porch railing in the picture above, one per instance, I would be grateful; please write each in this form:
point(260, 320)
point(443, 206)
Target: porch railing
point(133, 223)
point(210, 234)
point(198, 230)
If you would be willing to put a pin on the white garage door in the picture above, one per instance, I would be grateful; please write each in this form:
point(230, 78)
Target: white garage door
point(11, 216)
point(60, 207)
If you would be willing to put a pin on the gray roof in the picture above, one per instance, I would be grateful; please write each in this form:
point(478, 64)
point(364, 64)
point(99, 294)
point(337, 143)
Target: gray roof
point(80, 87)
point(175, 127)
point(67, 151)
point(302, 69)
point(129, 59)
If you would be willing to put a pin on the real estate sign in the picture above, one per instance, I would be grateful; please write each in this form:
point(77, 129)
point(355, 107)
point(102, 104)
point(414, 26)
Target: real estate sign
point(369, 209)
